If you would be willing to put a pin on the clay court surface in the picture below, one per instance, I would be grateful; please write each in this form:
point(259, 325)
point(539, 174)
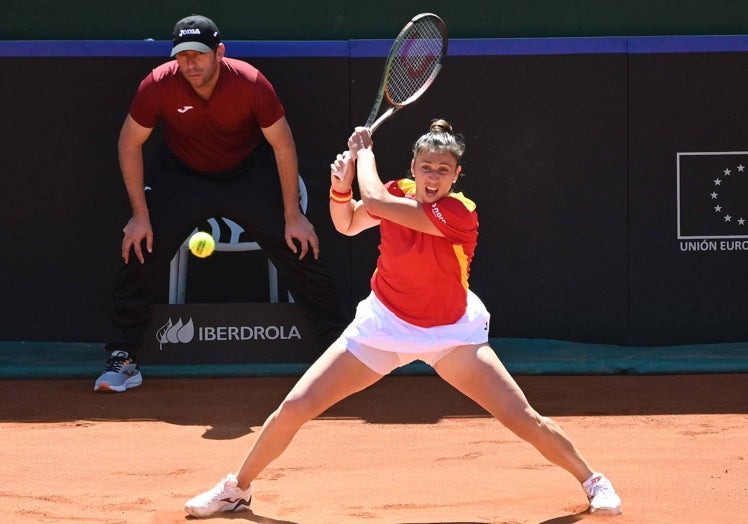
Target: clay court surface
point(408, 450)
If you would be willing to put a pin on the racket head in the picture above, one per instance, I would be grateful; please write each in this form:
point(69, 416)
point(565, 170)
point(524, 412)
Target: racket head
point(415, 59)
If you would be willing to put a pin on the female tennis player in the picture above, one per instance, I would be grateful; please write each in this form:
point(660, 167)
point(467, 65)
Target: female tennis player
point(420, 308)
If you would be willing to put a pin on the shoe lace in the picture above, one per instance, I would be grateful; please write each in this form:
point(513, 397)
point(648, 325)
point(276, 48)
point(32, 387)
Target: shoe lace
point(115, 363)
point(599, 488)
point(218, 491)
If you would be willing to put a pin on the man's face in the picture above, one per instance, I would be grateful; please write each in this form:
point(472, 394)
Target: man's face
point(200, 69)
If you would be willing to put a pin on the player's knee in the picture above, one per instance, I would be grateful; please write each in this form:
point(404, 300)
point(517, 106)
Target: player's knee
point(294, 412)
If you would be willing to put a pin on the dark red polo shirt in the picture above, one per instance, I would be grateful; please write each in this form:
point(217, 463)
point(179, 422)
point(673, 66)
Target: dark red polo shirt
point(215, 135)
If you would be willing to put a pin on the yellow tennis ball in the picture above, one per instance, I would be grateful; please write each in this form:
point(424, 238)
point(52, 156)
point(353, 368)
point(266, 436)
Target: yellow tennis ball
point(202, 244)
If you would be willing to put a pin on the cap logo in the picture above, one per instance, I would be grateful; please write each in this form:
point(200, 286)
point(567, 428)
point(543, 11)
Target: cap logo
point(195, 33)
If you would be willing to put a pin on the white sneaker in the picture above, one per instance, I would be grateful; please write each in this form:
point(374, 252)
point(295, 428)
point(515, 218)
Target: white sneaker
point(224, 496)
point(603, 498)
point(120, 374)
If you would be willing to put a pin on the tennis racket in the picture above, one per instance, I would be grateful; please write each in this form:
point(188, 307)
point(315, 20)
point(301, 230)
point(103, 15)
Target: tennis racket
point(413, 62)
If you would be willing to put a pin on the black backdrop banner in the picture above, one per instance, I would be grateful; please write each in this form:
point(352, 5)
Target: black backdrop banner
point(590, 161)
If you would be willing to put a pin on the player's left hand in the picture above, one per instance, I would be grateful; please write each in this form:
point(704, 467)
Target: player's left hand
point(299, 228)
point(342, 172)
point(360, 140)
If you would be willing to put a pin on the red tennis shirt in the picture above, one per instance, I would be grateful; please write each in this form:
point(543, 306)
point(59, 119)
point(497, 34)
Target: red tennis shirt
point(214, 135)
point(422, 278)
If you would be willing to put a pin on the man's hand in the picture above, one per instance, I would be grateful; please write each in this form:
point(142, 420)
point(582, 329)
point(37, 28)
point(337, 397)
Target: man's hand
point(299, 228)
point(136, 230)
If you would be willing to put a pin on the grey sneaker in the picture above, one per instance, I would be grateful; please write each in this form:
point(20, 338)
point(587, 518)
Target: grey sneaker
point(120, 374)
point(603, 498)
point(224, 496)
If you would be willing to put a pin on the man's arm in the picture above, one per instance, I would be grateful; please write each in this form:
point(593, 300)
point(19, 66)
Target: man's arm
point(297, 226)
point(130, 148)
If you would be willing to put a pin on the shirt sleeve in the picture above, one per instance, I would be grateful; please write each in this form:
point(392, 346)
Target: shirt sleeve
point(269, 107)
point(455, 217)
point(144, 106)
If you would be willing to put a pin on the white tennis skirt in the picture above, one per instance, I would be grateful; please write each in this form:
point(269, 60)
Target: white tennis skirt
point(377, 327)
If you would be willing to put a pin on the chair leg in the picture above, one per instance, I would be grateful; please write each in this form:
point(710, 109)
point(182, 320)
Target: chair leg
point(273, 282)
point(173, 278)
point(182, 273)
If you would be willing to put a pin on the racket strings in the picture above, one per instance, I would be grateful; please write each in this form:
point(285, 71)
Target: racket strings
point(416, 63)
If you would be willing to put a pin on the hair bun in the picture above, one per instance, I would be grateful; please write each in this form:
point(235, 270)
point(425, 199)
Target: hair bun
point(440, 125)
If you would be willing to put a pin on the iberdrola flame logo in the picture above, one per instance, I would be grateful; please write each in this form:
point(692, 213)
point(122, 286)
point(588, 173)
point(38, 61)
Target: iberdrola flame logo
point(173, 333)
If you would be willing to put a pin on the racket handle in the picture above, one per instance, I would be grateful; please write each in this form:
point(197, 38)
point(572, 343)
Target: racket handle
point(384, 116)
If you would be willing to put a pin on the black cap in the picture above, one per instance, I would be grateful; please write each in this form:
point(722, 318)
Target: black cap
point(195, 33)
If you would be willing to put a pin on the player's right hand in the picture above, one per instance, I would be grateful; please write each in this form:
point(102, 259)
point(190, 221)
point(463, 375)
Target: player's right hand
point(359, 140)
point(136, 230)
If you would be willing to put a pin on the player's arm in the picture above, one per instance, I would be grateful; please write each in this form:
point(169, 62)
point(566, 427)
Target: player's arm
point(377, 200)
point(280, 137)
point(130, 150)
point(349, 217)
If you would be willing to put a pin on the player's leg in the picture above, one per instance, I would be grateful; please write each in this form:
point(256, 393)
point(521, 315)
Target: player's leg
point(477, 372)
point(334, 376)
